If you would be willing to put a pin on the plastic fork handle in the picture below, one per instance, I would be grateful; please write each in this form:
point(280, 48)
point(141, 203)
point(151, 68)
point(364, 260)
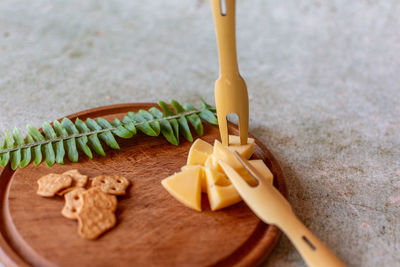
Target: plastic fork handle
point(313, 251)
point(226, 40)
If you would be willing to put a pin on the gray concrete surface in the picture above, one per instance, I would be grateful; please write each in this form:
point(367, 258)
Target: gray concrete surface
point(323, 80)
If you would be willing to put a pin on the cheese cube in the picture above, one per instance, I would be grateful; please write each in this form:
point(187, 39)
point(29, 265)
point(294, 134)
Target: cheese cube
point(260, 166)
point(212, 163)
point(199, 152)
point(214, 177)
point(222, 196)
point(185, 187)
point(247, 176)
point(203, 180)
point(245, 151)
point(221, 152)
point(203, 173)
point(220, 191)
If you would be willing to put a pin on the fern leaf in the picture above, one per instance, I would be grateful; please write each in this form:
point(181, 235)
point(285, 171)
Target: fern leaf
point(165, 126)
point(66, 137)
point(129, 124)
point(204, 105)
point(194, 120)
point(49, 154)
point(59, 145)
point(16, 155)
point(26, 152)
point(37, 137)
point(94, 141)
point(106, 136)
point(122, 132)
point(82, 141)
point(73, 154)
point(183, 124)
point(142, 124)
point(209, 117)
point(116, 122)
point(155, 125)
point(7, 144)
point(167, 113)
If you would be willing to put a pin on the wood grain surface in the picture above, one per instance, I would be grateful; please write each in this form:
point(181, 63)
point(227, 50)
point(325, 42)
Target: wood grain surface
point(153, 229)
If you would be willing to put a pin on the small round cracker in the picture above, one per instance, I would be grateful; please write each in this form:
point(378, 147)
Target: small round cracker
point(94, 221)
point(115, 185)
point(50, 184)
point(97, 198)
point(73, 203)
point(78, 179)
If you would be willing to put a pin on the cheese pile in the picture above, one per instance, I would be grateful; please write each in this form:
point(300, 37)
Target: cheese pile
point(203, 174)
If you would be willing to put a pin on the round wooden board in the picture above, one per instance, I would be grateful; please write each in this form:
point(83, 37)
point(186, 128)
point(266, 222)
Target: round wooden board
point(153, 229)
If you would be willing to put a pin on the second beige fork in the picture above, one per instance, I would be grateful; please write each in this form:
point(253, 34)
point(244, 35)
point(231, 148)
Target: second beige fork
point(230, 89)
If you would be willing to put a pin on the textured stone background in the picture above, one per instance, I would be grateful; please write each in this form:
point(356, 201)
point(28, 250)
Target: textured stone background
point(323, 80)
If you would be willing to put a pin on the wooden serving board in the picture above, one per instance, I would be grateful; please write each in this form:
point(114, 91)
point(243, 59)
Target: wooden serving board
point(153, 229)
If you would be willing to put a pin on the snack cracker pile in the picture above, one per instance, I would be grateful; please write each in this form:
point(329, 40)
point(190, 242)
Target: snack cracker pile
point(92, 202)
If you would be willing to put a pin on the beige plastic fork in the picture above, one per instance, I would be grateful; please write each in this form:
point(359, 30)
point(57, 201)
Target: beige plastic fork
point(271, 207)
point(230, 88)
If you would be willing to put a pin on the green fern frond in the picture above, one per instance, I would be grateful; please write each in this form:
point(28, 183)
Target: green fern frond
point(65, 138)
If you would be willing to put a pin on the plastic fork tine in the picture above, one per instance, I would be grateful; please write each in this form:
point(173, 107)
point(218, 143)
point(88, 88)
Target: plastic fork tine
point(250, 169)
point(223, 127)
point(244, 126)
point(230, 88)
point(236, 179)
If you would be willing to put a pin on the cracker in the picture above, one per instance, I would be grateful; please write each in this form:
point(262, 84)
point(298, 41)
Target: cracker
point(73, 203)
point(97, 198)
point(50, 184)
point(96, 214)
point(68, 189)
point(94, 221)
point(115, 185)
point(78, 180)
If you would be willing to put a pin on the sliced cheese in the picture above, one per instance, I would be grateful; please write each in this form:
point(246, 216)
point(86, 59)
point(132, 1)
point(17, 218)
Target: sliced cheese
point(247, 176)
point(221, 152)
point(245, 151)
point(202, 171)
point(222, 196)
point(212, 163)
point(185, 187)
point(260, 166)
point(221, 193)
point(214, 177)
point(199, 152)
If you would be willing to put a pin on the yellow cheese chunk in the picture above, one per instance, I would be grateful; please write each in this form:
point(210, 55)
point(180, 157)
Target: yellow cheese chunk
point(185, 187)
point(245, 151)
point(220, 191)
point(216, 178)
point(203, 180)
point(199, 152)
point(247, 176)
point(203, 173)
point(212, 163)
point(221, 152)
point(260, 166)
point(222, 196)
